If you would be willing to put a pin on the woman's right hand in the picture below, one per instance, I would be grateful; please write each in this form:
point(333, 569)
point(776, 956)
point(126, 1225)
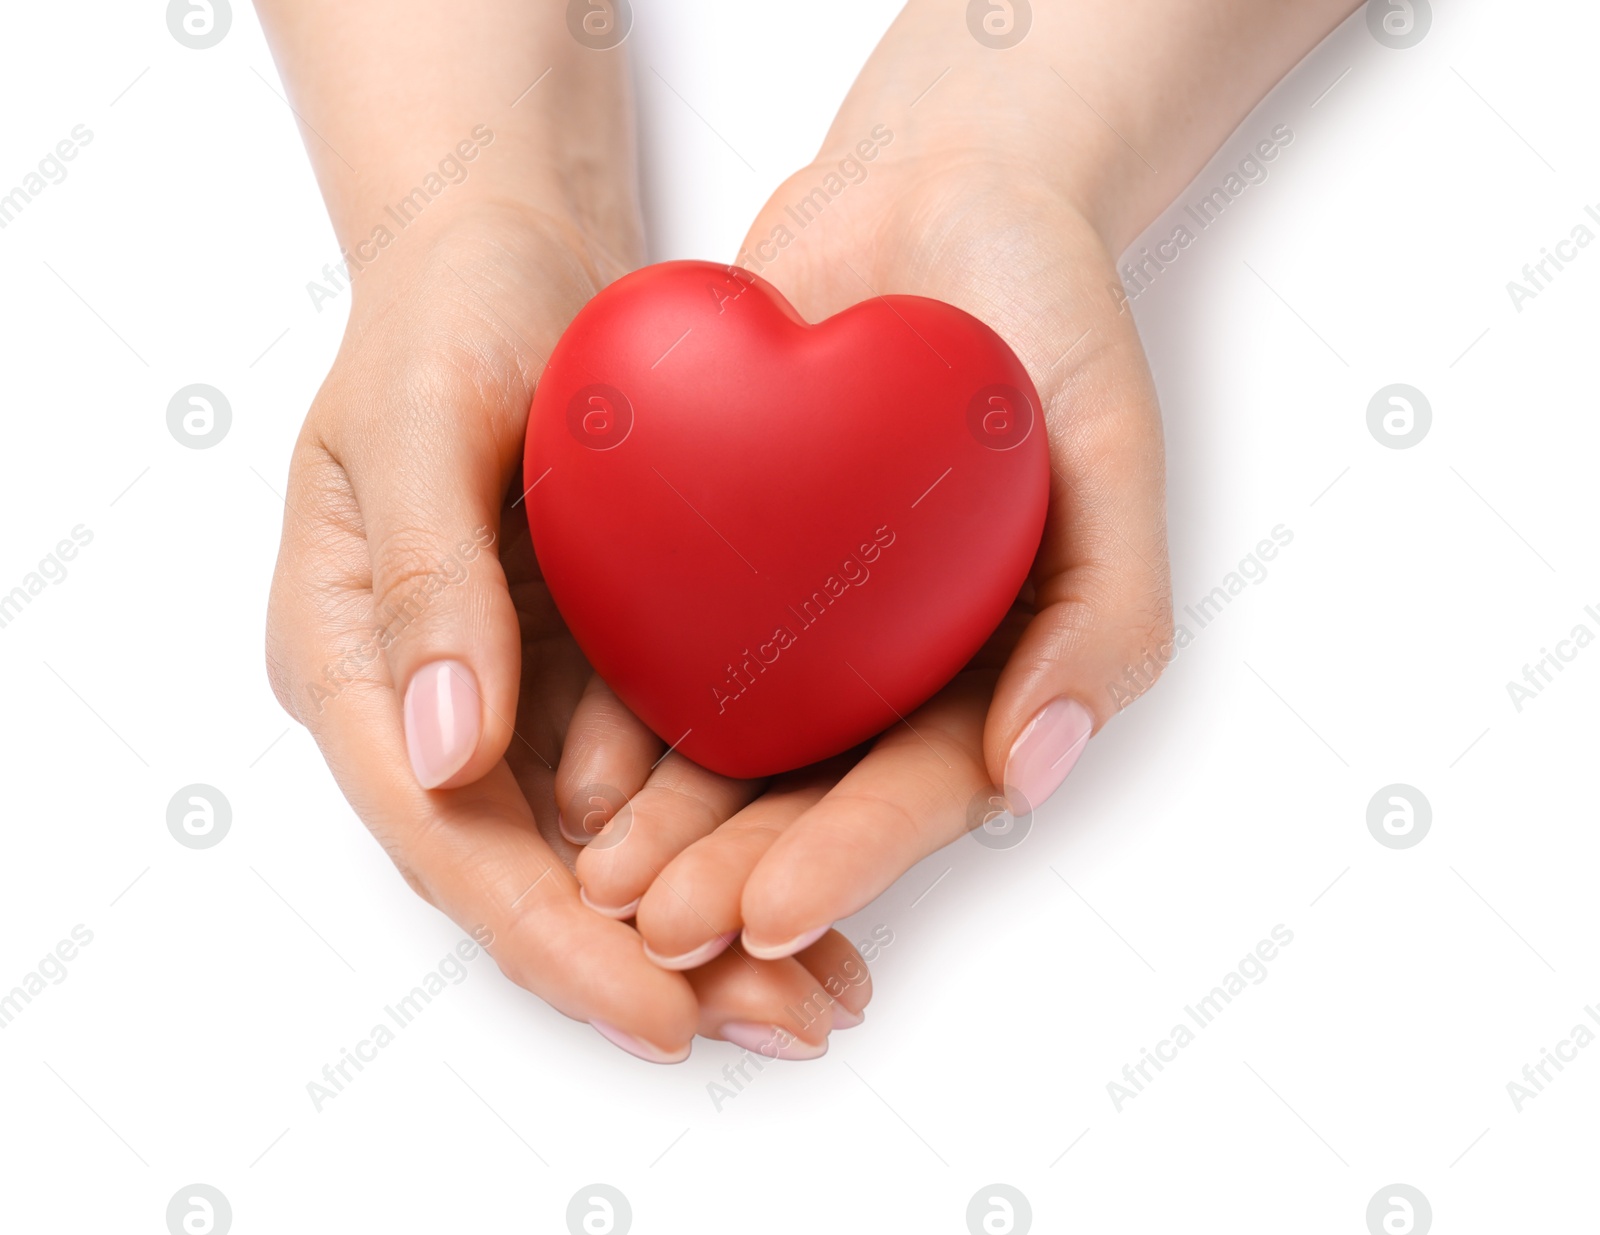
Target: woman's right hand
point(410, 631)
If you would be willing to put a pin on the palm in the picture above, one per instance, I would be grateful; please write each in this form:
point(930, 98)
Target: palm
point(964, 234)
point(472, 330)
point(1018, 258)
point(405, 526)
point(973, 231)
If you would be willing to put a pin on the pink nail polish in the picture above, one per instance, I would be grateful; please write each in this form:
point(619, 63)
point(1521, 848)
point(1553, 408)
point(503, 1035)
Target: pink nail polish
point(843, 1018)
point(442, 720)
point(772, 1041)
point(1045, 751)
point(696, 957)
point(777, 951)
point(637, 1046)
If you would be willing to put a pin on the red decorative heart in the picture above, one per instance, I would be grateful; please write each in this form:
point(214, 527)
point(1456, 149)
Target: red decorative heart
point(774, 539)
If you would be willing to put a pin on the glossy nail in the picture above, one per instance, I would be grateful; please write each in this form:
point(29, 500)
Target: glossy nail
point(637, 1046)
point(442, 720)
point(777, 951)
point(772, 1041)
point(843, 1018)
point(1045, 751)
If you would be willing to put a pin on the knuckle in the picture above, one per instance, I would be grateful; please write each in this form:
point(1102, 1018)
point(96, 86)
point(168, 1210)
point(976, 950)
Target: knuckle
point(889, 813)
point(280, 676)
point(280, 673)
point(524, 940)
point(353, 674)
point(682, 810)
point(1150, 645)
point(409, 572)
point(319, 604)
point(398, 855)
point(1153, 622)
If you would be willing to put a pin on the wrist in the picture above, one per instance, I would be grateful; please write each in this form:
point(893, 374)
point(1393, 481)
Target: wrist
point(503, 262)
point(950, 99)
point(1113, 107)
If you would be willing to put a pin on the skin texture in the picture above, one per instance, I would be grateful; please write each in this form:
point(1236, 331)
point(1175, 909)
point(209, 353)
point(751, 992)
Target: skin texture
point(1007, 188)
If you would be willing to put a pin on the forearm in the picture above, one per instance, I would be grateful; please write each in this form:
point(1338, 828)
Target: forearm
point(1117, 103)
point(393, 92)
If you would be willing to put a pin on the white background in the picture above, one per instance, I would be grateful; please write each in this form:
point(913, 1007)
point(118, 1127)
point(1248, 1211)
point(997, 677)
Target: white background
point(1233, 798)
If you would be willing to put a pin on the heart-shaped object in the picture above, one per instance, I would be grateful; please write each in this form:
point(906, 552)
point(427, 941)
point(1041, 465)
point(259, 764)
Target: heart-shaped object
point(772, 539)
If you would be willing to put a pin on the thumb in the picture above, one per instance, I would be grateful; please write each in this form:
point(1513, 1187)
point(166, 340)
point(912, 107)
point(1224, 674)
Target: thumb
point(429, 472)
point(1102, 625)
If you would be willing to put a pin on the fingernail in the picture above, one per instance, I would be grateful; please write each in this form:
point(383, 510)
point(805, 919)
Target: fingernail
point(621, 913)
point(773, 1041)
point(1045, 751)
point(843, 1018)
point(637, 1046)
point(576, 838)
point(693, 959)
point(442, 720)
point(777, 951)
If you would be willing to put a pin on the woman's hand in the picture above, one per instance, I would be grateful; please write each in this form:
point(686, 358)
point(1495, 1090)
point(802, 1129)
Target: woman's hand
point(1002, 180)
point(981, 230)
point(406, 571)
point(409, 628)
